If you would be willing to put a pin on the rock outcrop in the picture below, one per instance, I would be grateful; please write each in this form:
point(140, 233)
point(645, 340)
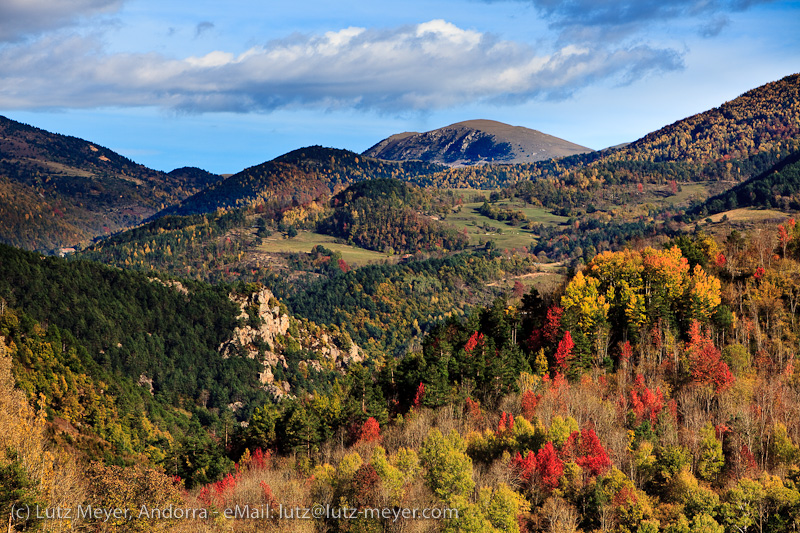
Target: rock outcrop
point(268, 333)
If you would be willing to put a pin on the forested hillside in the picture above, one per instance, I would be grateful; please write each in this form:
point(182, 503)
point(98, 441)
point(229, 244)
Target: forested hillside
point(650, 390)
point(129, 363)
point(297, 178)
point(777, 187)
point(388, 215)
point(622, 363)
point(733, 142)
point(57, 190)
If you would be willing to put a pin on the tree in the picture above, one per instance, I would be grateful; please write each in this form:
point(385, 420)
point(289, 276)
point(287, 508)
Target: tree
point(705, 361)
point(564, 352)
point(501, 505)
point(519, 289)
point(711, 459)
point(645, 403)
point(301, 428)
point(543, 468)
point(743, 506)
point(704, 294)
point(705, 523)
point(370, 431)
point(448, 469)
point(588, 452)
point(134, 488)
point(261, 428)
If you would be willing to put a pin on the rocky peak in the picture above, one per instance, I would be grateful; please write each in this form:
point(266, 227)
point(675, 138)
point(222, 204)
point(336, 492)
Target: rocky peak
point(474, 142)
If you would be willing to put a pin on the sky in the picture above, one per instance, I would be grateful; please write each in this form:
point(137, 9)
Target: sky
point(227, 84)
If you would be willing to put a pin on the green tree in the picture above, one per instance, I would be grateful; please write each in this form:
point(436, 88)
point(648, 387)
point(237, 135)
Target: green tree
point(261, 428)
point(501, 506)
point(301, 428)
point(744, 506)
point(448, 469)
point(705, 523)
point(711, 459)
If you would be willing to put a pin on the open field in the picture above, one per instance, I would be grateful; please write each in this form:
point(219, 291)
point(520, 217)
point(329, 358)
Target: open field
point(511, 236)
point(689, 192)
point(306, 240)
point(504, 235)
point(749, 215)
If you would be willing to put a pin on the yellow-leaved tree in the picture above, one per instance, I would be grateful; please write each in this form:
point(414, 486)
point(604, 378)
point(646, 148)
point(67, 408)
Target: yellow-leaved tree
point(32, 472)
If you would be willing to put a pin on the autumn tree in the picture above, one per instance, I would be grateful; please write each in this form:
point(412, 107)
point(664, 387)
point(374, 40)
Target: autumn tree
point(710, 460)
point(705, 361)
point(448, 469)
point(633, 291)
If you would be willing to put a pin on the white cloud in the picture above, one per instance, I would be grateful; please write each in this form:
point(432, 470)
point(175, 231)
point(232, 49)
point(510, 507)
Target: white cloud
point(422, 67)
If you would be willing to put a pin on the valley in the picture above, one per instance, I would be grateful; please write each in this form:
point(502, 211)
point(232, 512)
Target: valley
point(601, 341)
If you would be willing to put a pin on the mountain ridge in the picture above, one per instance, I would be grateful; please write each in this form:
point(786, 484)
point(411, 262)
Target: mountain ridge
point(58, 190)
point(296, 177)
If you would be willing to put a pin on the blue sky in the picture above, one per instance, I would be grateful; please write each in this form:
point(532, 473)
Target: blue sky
point(224, 85)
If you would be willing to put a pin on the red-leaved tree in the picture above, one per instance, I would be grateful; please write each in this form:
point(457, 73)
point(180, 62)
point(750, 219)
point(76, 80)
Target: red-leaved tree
point(552, 324)
point(506, 424)
point(548, 466)
point(705, 360)
point(529, 402)
point(564, 351)
point(543, 467)
point(646, 404)
point(420, 395)
point(474, 340)
point(587, 451)
point(370, 431)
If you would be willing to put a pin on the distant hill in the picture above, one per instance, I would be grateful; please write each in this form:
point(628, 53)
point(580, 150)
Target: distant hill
point(57, 190)
point(475, 142)
point(297, 178)
point(385, 215)
point(193, 178)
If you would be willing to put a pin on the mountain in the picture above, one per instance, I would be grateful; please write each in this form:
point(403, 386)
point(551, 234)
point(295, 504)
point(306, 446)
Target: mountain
point(474, 142)
point(759, 120)
point(297, 177)
point(730, 143)
point(57, 190)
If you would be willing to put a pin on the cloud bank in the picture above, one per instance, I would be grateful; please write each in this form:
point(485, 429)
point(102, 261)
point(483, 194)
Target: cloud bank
point(427, 66)
point(23, 18)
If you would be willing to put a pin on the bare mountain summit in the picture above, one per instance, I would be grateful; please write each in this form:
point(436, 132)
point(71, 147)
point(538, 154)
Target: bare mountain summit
point(474, 142)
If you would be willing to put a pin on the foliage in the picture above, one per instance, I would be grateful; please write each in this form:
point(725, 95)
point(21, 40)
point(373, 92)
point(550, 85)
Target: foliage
point(384, 215)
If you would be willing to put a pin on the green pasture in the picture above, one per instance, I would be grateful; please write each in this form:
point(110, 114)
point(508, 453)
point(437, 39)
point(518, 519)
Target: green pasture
point(511, 236)
point(306, 240)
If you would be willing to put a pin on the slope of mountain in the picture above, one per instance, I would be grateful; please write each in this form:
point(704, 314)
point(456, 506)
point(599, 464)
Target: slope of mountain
point(757, 121)
point(778, 187)
point(386, 215)
point(185, 343)
point(474, 142)
point(57, 190)
point(731, 143)
point(297, 178)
